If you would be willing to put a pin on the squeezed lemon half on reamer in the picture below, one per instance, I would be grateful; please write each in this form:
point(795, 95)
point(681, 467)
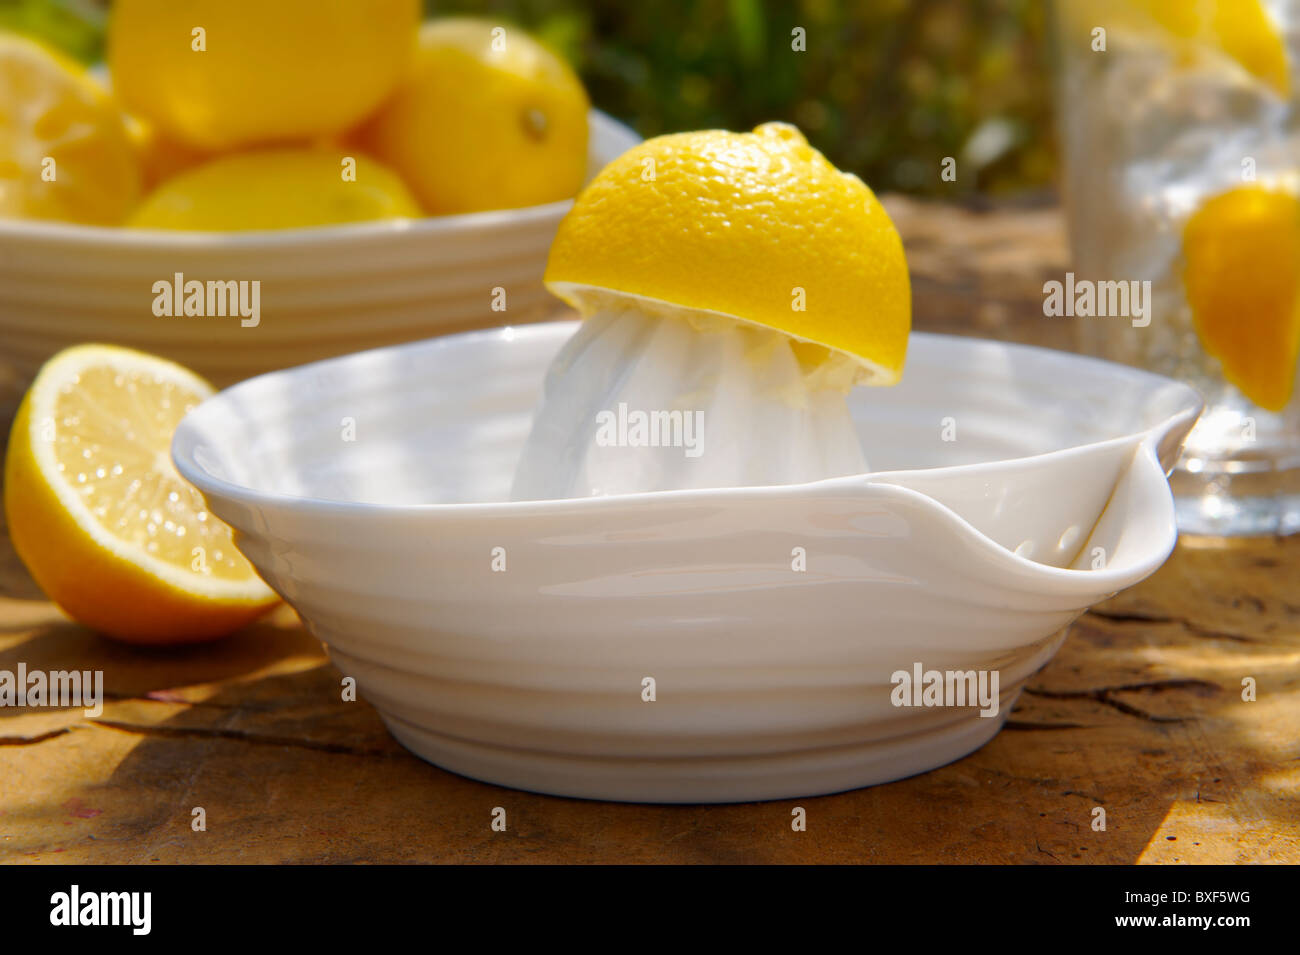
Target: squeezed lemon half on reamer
point(738, 280)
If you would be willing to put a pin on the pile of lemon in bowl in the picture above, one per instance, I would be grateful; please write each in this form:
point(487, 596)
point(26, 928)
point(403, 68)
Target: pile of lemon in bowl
point(220, 115)
point(233, 115)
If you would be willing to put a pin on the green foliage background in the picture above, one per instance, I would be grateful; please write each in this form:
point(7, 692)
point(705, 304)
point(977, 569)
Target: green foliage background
point(886, 88)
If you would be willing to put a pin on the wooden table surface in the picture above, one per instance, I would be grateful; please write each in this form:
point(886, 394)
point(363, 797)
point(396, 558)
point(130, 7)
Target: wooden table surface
point(1141, 713)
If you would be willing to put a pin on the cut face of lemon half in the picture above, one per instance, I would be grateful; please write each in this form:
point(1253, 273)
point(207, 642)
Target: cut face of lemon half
point(98, 513)
point(65, 152)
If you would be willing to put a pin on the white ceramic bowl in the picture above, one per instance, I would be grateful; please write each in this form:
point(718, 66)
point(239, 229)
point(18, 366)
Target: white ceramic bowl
point(324, 291)
point(769, 682)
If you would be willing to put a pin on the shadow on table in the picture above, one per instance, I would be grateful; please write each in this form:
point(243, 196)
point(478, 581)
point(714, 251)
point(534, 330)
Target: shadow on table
point(1139, 715)
point(158, 674)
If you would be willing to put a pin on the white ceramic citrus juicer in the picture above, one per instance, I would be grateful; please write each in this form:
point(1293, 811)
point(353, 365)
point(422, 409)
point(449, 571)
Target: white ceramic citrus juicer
point(522, 610)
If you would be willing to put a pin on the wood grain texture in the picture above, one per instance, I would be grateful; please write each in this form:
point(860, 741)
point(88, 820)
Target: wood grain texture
point(1141, 713)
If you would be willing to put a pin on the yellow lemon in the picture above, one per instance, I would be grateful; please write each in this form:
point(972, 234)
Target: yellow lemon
point(488, 119)
point(1239, 29)
point(1245, 32)
point(1241, 274)
point(277, 189)
point(104, 523)
point(221, 74)
point(64, 149)
point(753, 226)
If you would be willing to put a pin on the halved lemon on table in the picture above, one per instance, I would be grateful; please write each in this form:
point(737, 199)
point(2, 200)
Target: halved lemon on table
point(1241, 274)
point(105, 524)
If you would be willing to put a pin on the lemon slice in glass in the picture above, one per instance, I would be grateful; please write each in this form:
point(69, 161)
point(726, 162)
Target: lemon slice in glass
point(1241, 274)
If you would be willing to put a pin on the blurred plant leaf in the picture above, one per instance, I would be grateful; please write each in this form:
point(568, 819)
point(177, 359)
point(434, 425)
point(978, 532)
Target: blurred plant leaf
point(73, 26)
point(886, 88)
point(747, 20)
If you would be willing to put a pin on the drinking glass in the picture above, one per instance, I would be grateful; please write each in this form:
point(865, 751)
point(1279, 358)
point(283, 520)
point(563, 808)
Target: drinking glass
point(1162, 107)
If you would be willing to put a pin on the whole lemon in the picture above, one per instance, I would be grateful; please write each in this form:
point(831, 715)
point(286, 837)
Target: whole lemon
point(487, 119)
point(220, 74)
point(65, 152)
point(277, 189)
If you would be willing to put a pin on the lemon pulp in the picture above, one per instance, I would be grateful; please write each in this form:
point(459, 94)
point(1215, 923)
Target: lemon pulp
point(117, 462)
